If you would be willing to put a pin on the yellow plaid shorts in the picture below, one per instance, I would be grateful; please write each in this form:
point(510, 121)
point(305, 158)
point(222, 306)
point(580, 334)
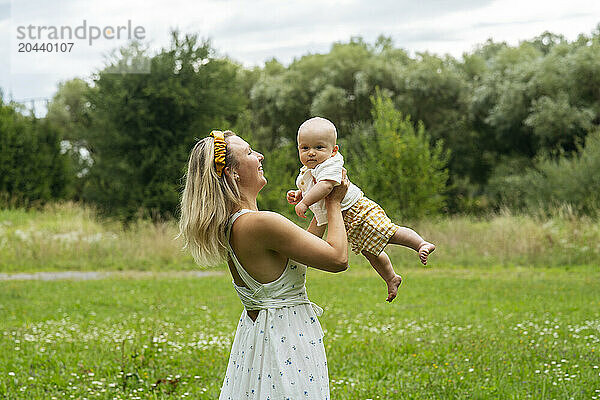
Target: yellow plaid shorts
point(368, 227)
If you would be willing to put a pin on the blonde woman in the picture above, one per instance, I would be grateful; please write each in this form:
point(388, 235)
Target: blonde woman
point(278, 350)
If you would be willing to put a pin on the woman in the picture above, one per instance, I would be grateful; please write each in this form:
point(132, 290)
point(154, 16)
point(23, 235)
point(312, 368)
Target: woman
point(278, 351)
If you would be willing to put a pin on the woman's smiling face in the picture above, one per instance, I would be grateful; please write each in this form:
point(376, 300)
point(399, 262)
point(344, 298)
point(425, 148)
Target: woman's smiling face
point(249, 162)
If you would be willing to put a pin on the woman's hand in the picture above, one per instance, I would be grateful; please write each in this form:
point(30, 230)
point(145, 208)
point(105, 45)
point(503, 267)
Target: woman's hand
point(338, 192)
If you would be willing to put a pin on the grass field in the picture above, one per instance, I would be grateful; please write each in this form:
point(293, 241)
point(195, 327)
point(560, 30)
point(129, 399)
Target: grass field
point(509, 309)
point(452, 333)
point(67, 236)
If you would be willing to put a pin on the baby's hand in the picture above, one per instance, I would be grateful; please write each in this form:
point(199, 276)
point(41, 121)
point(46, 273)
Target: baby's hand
point(294, 196)
point(301, 209)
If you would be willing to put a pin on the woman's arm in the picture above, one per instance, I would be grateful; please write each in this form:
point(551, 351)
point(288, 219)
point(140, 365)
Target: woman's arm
point(279, 234)
point(315, 229)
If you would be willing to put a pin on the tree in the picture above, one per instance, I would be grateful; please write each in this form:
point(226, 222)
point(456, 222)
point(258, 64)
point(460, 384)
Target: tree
point(557, 123)
point(70, 113)
point(395, 164)
point(32, 166)
point(70, 107)
point(555, 182)
point(281, 168)
point(143, 126)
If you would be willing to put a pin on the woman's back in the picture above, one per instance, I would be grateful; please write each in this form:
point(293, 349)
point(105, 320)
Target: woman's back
point(281, 352)
point(286, 290)
point(264, 265)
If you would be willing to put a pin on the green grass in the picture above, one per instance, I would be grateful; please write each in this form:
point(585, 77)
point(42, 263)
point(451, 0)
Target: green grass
point(68, 236)
point(452, 333)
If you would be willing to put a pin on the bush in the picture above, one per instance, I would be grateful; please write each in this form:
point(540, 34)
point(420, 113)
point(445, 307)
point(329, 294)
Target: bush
point(143, 126)
point(394, 164)
point(281, 166)
point(32, 167)
point(554, 183)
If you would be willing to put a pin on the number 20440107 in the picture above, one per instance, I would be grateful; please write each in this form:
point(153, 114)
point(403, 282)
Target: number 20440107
point(49, 47)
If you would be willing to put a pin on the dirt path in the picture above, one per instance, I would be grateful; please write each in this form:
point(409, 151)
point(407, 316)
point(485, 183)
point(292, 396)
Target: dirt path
point(91, 275)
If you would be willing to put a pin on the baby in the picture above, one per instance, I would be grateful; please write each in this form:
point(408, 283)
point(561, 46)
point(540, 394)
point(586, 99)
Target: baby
point(368, 227)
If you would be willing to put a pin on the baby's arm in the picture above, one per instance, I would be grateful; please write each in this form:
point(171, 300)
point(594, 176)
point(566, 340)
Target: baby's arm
point(316, 193)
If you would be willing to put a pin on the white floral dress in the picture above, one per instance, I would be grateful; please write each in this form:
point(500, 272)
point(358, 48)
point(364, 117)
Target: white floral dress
point(280, 356)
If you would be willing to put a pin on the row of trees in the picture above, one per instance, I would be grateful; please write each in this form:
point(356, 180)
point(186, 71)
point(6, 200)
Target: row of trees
point(32, 166)
point(420, 134)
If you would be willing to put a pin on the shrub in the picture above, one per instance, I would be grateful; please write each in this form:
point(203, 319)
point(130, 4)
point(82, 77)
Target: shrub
point(554, 183)
point(281, 166)
point(395, 165)
point(32, 167)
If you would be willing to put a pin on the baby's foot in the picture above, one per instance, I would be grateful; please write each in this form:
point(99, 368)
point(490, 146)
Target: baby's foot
point(424, 251)
point(393, 285)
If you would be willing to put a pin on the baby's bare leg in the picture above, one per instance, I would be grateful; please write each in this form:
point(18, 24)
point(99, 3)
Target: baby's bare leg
point(383, 265)
point(409, 238)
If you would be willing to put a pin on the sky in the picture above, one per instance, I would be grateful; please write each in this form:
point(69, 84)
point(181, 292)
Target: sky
point(252, 32)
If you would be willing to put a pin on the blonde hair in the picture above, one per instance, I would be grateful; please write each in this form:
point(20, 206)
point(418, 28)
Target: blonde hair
point(207, 202)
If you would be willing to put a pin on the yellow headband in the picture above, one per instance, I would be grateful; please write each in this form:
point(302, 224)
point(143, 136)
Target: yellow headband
point(220, 150)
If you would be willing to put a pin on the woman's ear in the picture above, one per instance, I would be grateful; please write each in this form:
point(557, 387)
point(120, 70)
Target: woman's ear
point(231, 174)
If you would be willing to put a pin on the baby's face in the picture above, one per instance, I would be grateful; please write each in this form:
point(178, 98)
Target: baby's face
point(315, 146)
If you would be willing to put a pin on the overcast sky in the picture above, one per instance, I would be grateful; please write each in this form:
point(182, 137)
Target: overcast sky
point(254, 31)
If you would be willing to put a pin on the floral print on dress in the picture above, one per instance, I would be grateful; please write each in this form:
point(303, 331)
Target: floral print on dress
point(281, 354)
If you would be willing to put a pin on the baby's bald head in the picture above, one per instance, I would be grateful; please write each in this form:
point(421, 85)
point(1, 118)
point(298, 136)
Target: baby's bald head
point(321, 127)
point(316, 141)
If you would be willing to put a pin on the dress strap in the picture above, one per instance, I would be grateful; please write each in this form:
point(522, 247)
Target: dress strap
point(248, 280)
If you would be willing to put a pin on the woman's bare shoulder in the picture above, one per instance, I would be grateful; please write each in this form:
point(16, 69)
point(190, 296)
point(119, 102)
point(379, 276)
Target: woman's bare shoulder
point(267, 229)
point(271, 231)
point(265, 222)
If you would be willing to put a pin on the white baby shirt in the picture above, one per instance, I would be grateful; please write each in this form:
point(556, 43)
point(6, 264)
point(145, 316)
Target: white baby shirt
point(330, 169)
